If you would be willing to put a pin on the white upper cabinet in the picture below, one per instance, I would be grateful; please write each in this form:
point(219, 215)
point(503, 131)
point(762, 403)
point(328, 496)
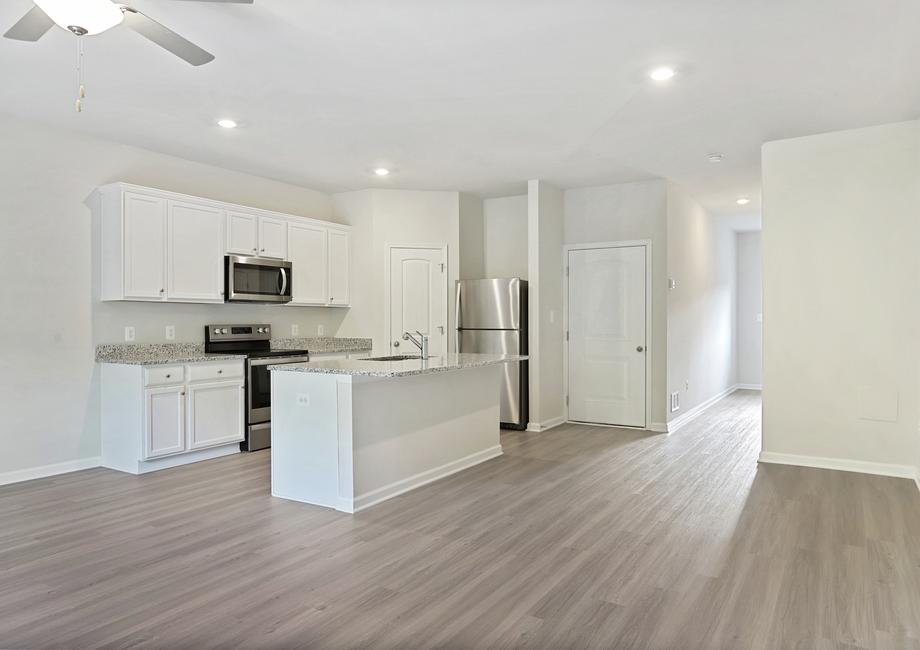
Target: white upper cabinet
point(195, 253)
point(339, 265)
point(307, 254)
point(144, 268)
point(155, 245)
point(242, 233)
point(273, 238)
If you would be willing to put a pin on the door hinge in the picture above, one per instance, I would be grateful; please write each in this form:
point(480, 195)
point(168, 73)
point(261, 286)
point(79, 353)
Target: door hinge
point(566, 400)
point(567, 335)
point(442, 267)
point(566, 271)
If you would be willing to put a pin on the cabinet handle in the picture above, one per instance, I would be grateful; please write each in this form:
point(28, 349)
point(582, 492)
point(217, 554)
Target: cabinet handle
point(263, 250)
point(220, 372)
point(168, 376)
point(183, 392)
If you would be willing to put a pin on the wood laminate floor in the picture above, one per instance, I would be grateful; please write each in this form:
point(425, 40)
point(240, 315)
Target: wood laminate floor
point(576, 537)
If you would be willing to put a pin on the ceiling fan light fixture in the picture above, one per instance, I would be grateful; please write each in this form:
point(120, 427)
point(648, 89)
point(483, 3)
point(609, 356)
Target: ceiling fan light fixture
point(81, 17)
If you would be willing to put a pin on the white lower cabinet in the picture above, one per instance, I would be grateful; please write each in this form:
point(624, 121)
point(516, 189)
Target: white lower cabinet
point(162, 416)
point(164, 421)
point(215, 412)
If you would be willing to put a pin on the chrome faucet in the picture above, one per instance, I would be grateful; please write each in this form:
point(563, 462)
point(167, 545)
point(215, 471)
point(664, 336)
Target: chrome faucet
point(421, 342)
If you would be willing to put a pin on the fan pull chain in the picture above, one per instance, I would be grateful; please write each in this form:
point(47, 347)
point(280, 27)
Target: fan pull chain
point(81, 88)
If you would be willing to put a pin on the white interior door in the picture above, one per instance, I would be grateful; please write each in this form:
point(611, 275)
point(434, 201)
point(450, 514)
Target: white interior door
point(418, 298)
point(607, 335)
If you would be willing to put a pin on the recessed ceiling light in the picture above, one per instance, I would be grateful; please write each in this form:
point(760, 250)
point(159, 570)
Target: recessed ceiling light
point(661, 74)
point(382, 171)
point(743, 201)
point(715, 157)
point(226, 124)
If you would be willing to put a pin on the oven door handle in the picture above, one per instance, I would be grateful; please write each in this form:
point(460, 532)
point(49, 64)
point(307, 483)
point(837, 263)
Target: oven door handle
point(271, 361)
point(283, 281)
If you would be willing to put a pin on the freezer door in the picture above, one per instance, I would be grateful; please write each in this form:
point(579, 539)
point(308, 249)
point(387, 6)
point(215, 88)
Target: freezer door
point(491, 304)
point(514, 391)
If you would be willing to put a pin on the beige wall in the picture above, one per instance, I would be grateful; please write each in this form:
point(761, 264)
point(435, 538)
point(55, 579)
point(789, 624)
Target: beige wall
point(623, 212)
point(472, 255)
point(505, 237)
point(841, 228)
point(701, 308)
point(391, 217)
point(545, 210)
point(50, 323)
point(749, 308)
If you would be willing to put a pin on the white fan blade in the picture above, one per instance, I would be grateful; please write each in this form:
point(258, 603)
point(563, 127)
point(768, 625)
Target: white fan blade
point(238, 2)
point(30, 27)
point(165, 37)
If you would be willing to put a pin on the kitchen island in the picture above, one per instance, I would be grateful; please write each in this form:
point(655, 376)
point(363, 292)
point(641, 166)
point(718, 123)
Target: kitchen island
point(347, 434)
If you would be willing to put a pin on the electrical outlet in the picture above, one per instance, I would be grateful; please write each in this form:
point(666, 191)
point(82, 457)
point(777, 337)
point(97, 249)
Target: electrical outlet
point(687, 385)
point(170, 332)
point(303, 399)
point(675, 402)
point(129, 333)
point(295, 329)
point(320, 330)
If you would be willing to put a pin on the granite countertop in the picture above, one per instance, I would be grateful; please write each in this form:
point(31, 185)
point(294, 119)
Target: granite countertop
point(159, 354)
point(408, 367)
point(320, 344)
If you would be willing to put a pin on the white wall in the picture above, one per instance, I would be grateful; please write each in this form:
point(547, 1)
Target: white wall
point(472, 253)
point(47, 370)
point(545, 270)
point(842, 296)
point(393, 217)
point(749, 309)
point(505, 237)
point(701, 309)
point(631, 211)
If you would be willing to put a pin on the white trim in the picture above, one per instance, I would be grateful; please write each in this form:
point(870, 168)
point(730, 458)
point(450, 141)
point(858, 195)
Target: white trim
point(537, 427)
point(368, 499)
point(44, 471)
point(445, 339)
point(658, 427)
point(693, 413)
point(630, 243)
point(917, 477)
point(840, 464)
point(749, 386)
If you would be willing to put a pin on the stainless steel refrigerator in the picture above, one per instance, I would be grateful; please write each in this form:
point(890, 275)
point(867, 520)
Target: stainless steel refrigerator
point(492, 319)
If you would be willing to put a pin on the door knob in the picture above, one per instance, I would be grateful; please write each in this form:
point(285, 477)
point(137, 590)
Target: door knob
point(395, 344)
point(640, 349)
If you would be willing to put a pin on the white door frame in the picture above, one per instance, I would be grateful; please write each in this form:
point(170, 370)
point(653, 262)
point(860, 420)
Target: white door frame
point(386, 289)
point(647, 243)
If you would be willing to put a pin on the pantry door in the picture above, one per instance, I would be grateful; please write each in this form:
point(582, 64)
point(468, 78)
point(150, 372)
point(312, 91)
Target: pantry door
point(417, 297)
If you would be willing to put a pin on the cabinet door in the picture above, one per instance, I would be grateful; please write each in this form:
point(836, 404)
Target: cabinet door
point(164, 427)
point(144, 247)
point(338, 267)
point(215, 414)
point(307, 254)
point(195, 253)
point(242, 233)
point(272, 238)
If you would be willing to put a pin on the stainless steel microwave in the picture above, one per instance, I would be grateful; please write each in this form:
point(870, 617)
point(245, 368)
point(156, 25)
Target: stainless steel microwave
point(256, 279)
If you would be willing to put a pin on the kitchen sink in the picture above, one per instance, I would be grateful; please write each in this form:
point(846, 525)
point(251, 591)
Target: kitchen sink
point(395, 357)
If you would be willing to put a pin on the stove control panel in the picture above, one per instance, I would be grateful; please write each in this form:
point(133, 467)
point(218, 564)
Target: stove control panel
point(237, 332)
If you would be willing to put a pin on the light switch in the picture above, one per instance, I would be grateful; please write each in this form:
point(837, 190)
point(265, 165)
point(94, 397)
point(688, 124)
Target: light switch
point(295, 329)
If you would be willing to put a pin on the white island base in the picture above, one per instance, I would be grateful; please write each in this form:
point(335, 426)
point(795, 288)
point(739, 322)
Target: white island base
point(348, 441)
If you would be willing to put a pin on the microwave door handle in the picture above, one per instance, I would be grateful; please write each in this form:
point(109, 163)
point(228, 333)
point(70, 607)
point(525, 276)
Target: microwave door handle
point(283, 281)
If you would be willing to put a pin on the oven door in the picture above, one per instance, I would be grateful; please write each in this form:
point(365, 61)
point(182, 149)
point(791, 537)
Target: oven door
point(259, 387)
point(254, 279)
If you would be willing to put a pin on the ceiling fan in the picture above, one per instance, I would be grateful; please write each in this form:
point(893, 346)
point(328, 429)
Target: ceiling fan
point(91, 17)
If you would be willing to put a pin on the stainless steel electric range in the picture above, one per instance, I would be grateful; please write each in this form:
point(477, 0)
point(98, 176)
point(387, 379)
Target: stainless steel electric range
point(254, 341)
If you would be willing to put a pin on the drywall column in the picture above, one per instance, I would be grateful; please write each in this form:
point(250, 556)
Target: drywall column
point(750, 310)
point(841, 282)
point(545, 273)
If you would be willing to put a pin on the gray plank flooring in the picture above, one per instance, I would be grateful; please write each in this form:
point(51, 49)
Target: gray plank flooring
point(578, 537)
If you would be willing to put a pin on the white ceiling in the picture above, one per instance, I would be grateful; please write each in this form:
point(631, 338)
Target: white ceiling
point(480, 95)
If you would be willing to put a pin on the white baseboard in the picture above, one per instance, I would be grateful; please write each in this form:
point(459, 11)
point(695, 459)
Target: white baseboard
point(19, 475)
point(840, 464)
point(537, 427)
point(749, 386)
point(683, 420)
point(658, 427)
point(374, 497)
